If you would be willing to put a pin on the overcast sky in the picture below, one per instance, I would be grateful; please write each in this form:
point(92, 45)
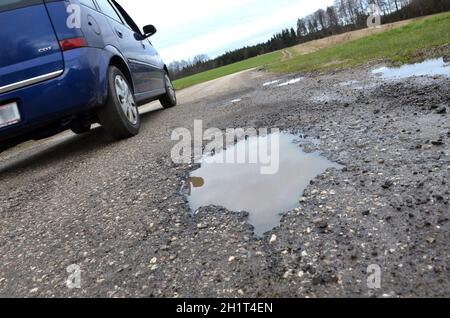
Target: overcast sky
point(190, 27)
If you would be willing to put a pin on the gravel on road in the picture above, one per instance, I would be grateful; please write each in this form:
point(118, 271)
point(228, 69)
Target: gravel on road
point(117, 211)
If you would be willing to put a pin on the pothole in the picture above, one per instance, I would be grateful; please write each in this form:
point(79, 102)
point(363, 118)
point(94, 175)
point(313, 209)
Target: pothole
point(427, 68)
point(241, 186)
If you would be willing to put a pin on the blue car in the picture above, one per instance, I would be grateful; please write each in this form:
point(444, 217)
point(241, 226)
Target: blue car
point(70, 64)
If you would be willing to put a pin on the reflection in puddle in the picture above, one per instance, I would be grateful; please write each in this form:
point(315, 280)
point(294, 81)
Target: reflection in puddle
point(195, 182)
point(427, 68)
point(241, 187)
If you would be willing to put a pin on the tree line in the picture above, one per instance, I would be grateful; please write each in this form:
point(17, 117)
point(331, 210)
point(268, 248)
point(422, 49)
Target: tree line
point(343, 16)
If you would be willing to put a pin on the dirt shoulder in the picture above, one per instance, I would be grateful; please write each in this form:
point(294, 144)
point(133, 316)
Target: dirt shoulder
point(316, 45)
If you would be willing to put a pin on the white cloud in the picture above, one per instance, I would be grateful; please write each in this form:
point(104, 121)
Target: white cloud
point(183, 32)
point(170, 14)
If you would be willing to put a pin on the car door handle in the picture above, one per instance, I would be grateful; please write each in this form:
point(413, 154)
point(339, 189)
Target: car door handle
point(120, 34)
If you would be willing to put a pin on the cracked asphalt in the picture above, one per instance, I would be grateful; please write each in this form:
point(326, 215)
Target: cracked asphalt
point(116, 209)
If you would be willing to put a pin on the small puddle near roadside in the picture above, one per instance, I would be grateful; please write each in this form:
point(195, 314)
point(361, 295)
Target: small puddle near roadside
point(292, 81)
point(242, 187)
point(271, 83)
point(427, 68)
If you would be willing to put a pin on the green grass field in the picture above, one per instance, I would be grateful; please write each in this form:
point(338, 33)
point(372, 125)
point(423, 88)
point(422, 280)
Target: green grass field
point(402, 45)
point(398, 46)
point(258, 61)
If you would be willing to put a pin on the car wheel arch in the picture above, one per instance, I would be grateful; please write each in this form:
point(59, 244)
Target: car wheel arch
point(118, 62)
point(167, 70)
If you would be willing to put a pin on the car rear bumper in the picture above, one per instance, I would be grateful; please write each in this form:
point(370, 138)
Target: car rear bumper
point(81, 87)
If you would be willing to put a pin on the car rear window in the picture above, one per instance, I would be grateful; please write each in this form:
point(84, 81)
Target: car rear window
point(15, 4)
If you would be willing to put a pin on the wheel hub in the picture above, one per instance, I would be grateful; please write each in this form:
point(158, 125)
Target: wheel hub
point(126, 99)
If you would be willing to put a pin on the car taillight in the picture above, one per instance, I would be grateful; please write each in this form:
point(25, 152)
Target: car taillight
point(74, 43)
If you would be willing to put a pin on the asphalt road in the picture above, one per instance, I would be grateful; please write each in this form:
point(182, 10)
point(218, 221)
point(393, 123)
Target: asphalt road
point(117, 212)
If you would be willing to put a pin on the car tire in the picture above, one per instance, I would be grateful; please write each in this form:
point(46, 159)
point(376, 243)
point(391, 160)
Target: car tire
point(169, 99)
point(119, 116)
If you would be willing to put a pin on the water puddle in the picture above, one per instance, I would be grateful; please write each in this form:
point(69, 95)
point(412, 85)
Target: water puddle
point(292, 81)
point(428, 68)
point(242, 187)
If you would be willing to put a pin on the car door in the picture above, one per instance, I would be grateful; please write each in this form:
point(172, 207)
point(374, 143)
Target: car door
point(155, 59)
point(149, 56)
point(130, 44)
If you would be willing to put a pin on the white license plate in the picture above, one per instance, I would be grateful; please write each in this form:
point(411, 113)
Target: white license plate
point(9, 114)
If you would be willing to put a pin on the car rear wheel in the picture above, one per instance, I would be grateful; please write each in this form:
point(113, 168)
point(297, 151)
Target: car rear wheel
point(120, 116)
point(169, 99)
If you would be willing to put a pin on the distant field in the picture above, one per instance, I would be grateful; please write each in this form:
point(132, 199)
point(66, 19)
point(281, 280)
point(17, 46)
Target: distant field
point(399, 43)
point(262, 60)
